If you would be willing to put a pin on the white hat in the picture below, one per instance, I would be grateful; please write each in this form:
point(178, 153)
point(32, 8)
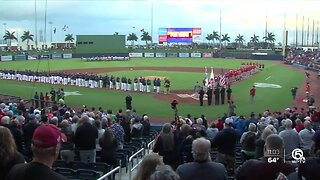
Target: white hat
point(307, 118)
point(229, 121)
point(287, 109)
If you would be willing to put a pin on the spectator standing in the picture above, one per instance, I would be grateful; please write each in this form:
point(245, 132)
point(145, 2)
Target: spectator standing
point(85, 140)
point(108, 146)
point(261, 142)
point(146, 125)
point(202, 168)
point(247, 141)
point(164, 172)
point(45, 147)
point(291, 139)
point(9, 156)
point(118, 134)
point(166, 147)
point(28, 130)
point(148, 166)
point(262, 169)
point(306, 137)
point(136, 128)
point(67, 148)
point(212, 131)
point(225, 141)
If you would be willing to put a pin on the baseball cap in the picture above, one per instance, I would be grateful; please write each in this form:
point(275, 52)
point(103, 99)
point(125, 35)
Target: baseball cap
point(47, 136)
point(228, 121)
point(307, 118)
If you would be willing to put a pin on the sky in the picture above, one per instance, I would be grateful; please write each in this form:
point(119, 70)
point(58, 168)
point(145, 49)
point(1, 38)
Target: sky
point(109, 16)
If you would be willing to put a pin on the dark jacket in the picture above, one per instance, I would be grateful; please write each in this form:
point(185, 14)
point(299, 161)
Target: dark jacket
point(85, 137)
point(225, 141)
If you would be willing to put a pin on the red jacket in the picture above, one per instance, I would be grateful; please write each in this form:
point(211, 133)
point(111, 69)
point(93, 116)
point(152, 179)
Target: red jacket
point(253, 91)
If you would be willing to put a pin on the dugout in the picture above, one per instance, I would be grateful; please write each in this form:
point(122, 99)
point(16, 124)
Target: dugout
point(97, 44)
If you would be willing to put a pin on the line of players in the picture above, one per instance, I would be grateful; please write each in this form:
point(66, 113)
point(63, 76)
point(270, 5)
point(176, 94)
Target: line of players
point(141, 84)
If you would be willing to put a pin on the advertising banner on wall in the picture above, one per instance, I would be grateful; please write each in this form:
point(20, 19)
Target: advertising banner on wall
point(148, 54)
point(207, 55)
point(45, 56)
point(172, 54)
point(183, 54)
point(56, 56)
point(196, 55)
point(32, 57)
point(66, 56)
point(20, 57)
point(135, 55)
point(160, 55)
point(6, 58)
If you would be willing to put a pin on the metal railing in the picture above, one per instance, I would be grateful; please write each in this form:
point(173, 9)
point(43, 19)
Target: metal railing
point(110, 173)
point(150, 145)
point(135, 155)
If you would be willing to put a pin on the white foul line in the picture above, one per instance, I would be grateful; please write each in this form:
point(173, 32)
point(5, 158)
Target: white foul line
point(268, 78)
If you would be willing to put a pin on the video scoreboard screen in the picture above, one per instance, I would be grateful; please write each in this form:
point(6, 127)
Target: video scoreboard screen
point(179, 35)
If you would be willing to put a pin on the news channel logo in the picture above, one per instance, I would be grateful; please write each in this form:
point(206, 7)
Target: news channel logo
point(297, 155)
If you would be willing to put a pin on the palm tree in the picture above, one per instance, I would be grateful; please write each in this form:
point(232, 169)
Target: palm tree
point(269, 38)
point(9, 36)
point(215, 36)
point(132, 37)
point(254, 39)
point(209, 38)
point(146, 37)
point(27, 36)
point(225, 38)
point(239, 40)
point(69, 39)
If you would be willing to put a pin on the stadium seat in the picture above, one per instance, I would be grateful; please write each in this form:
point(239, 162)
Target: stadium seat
point(87, 174)
point(67, 172)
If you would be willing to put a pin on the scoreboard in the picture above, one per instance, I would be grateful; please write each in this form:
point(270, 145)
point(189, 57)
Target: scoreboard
point(179, 35)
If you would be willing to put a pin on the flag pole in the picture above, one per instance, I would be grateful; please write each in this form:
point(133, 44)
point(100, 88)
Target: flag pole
point(35, 24)
point(296, 30)
point(50, 22)
point(302, 34)
point(45, 23)
point(220, 32)
point(312, 38)
point(308, 34)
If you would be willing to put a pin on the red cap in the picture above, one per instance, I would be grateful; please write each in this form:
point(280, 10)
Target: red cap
point(47, 136)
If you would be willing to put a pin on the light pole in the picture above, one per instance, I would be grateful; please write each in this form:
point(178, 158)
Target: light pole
point(152, 22)
point(50, 22)
point(45, 23)
point(4, 31)
point(35, 25)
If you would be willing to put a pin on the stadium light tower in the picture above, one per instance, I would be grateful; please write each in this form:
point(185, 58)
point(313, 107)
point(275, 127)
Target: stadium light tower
point(151, 32)
point(50, 22)
point(4, 29)
point(35, 24)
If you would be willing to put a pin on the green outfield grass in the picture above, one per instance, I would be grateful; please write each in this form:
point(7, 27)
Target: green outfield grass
point(135, 62)
point(274, 99)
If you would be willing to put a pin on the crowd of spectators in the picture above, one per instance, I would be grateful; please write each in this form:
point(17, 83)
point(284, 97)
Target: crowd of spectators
point(310, 58)
point(192, 147)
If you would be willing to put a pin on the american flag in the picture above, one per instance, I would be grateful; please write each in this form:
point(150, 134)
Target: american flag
point(222, 80)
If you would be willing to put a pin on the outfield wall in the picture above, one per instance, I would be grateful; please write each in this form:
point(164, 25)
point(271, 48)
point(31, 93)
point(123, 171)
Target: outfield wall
point(137, 55)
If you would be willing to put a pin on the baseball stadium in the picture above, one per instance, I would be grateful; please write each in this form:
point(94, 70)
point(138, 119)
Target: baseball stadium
point(186, 101)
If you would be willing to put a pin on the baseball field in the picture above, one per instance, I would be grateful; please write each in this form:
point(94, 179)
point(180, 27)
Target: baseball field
point(273, 84)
